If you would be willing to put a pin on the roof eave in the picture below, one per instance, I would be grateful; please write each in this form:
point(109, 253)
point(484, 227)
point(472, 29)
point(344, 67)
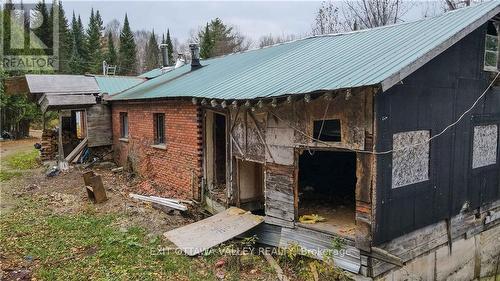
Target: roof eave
point(412, 67)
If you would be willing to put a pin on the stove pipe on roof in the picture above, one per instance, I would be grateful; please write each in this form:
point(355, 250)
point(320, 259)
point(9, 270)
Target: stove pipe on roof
point(195, 56)
point(164, 55)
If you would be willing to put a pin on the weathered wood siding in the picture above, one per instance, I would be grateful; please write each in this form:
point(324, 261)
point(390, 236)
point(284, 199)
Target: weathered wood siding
point(430, 99)
point(279, 193)
point(99, 130)
point(275, 136)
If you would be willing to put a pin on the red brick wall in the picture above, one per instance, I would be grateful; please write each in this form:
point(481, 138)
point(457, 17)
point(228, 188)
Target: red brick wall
point(174, 171)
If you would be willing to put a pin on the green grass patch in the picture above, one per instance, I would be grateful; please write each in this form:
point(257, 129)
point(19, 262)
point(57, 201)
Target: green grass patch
point(88, 246)
point(24, 160)
point(7, 175)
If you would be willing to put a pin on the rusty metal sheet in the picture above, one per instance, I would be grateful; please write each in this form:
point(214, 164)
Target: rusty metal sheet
point(197, 237)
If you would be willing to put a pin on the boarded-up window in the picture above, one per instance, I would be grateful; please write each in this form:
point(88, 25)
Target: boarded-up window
point(485, 146)
point(159, 125)
point(123, 125)
point(410, 159)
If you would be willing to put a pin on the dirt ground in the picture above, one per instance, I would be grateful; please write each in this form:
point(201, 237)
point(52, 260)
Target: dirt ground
point(67, 193)
point(67, 197)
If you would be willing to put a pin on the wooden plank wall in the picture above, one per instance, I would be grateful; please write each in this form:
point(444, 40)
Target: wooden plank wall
point(99, 130)
point(279, 194)
point(419, 242)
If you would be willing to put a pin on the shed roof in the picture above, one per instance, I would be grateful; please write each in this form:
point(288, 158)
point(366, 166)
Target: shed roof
point(115, 84)
point(380, 56)
point(59, 83)
point(65, 101)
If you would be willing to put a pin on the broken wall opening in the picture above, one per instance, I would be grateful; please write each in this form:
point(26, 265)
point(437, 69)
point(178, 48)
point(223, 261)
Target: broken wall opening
point(326, 187)
point(251, 186)
point(215, 155)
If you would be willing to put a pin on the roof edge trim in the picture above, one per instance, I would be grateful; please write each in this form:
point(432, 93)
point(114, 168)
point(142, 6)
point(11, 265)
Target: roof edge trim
point(414, 66)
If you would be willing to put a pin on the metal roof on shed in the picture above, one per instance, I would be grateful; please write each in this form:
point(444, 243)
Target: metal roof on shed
point(379, 56)
point(58, 83)
point(115, 84)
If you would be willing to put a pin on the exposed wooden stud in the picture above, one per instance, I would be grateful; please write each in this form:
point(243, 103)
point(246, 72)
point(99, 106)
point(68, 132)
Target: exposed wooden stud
point(214, 103)
point(223, 104)
point(194, 101)
point(289, 99)
point(203, 102)
point(234, 104)
point(248, 103)
point(274, 102)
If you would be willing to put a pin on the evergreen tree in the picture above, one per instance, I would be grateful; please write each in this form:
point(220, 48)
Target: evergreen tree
point(219, 39)
point(77, 62)
point(111, 56)
point(94, 42)
point(152, 52)
point(127, 52)
point(170, 48)
point(44, 31)
point(65, 43)
point(206, 46)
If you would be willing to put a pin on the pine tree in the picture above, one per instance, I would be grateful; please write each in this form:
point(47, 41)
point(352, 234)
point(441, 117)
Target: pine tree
point(111, 57)
point(77, 63)
point(170, 48)
point(44, 31)
point(127, 52)
point(94, 42)
point(152, 52)
point(219, 39)
point(64, 44)
point(206, 46)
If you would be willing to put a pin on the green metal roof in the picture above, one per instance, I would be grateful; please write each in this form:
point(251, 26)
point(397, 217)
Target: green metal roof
point(152, 73)
point(380, 56)
point(115, 84)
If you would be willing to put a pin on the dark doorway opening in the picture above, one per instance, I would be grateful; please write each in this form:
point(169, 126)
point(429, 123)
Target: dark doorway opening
point(327, 185)
point(220, 148)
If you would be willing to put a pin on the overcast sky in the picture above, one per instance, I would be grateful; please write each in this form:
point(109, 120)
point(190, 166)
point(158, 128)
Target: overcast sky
point(253, 18)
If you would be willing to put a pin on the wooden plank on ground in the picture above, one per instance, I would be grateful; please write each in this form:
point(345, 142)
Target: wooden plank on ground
point(78, 149)
point(197, 237)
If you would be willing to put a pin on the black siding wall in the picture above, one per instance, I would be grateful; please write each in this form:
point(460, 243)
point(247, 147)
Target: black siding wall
point(430, 99)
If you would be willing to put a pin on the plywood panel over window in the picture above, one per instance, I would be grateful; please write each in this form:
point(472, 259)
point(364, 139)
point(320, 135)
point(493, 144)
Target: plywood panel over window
point(410, 159)
point(485, 146)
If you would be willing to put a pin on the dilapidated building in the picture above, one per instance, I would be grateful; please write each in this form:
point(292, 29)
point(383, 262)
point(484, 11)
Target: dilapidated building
point(389, 134)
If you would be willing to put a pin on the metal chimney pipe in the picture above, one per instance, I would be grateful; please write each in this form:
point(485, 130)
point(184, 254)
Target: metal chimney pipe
point(195, 56)
point(164, 55)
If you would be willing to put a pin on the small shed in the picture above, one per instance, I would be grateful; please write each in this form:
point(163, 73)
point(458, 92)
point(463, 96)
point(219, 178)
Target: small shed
point(84, 116)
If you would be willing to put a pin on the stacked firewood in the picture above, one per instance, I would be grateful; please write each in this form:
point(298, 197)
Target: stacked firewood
point(49, 145)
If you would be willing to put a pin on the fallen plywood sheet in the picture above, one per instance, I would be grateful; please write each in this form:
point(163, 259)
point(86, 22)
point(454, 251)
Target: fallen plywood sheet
point(197, 237)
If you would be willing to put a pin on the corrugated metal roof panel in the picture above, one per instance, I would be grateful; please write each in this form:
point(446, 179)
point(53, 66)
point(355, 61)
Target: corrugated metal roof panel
point(44, 83)
point(152, 73)
point(348, 60)
point(115, 84)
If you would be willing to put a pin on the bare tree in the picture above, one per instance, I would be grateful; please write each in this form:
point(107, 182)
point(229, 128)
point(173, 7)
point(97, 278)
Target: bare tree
point(114, 28)
point(327, 19)
point(373, 13)
point(269, 40)
point(141, 39)
point(457, 4)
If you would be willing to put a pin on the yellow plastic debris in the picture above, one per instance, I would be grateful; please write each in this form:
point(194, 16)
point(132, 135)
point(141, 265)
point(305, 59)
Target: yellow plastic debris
point(310, 219)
